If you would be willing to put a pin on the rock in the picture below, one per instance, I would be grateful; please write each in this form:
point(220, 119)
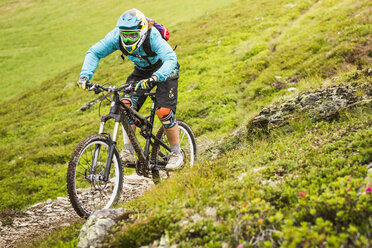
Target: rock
point(241, 176)
point(319, 105)
point(290, 105)
point(278, 84)
point(164, 241)
point(309, 99)
point(184, 223)
point(367, 72)
point(196, 218)
point(136, 179)
point(369, 166)
point(47, 216)
point(211, 212)
point(96, 227)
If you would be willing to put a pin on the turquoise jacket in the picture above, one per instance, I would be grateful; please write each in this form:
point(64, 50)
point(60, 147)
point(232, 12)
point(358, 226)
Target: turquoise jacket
point(110, 44)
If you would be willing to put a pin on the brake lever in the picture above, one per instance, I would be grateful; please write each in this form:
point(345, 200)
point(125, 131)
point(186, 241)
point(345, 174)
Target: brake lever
point(96, 89)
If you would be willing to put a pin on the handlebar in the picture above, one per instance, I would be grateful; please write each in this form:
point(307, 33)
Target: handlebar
point(97, 88)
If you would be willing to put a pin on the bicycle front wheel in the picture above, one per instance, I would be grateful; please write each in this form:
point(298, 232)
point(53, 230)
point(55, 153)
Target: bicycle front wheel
point(187, 145)
point(86, 188)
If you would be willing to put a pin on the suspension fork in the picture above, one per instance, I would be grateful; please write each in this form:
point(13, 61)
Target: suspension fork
point(112, 140)
point(97, 149)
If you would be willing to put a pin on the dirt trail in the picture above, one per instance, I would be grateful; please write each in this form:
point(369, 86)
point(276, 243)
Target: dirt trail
point(45, 217)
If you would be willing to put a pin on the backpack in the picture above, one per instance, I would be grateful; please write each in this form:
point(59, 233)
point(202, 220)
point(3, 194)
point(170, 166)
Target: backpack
point(162, 30)
point(146, 43)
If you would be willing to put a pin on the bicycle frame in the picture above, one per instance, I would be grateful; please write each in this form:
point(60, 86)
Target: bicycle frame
point(120, 112)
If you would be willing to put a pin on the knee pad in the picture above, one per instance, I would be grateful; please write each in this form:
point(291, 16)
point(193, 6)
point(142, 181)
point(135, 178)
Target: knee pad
point(167, 117)
point(130, 101)
point(127, 101)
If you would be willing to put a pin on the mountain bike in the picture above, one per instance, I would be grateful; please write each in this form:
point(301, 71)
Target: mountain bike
point(95, 170)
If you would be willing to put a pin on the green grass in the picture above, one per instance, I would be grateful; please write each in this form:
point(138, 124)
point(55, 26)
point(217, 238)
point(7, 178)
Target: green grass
point(39, 39)
point(62, 237)
point(227, 69)
point(300, 186)
point(231, 54)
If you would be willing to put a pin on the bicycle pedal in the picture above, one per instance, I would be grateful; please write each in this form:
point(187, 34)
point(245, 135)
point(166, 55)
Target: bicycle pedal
point(133, 166)
point(159, 167)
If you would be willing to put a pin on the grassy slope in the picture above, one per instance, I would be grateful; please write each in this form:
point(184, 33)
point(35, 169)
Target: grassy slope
point(40, 128)
point(293, 188)
point(228, 68)
point(39, 39)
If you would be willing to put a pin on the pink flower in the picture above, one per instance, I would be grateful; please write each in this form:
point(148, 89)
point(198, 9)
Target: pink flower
point(245, 204)
point(349, 178)
point(348, 189)
point(368, 189)
point(301, 193)
point(240, 246)
point(260, 222)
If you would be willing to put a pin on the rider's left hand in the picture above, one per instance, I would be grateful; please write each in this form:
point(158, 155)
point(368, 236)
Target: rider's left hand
point(145, 84)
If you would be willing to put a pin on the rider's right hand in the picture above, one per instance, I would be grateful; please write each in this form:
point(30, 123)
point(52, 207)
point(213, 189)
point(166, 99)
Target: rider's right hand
point(82, 83)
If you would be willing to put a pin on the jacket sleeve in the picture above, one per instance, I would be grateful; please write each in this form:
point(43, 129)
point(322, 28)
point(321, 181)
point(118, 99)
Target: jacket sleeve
point(165, 53)
point(103, 48)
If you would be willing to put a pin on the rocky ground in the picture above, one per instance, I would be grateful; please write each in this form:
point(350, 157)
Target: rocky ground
point(42, 218)
point(321, 105)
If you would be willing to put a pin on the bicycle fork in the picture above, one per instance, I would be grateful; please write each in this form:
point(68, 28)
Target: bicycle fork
point(111, 140)
point(97, 149)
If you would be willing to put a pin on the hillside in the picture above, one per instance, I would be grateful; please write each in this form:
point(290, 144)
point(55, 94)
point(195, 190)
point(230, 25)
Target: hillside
point(278, 188)
point(40, 39)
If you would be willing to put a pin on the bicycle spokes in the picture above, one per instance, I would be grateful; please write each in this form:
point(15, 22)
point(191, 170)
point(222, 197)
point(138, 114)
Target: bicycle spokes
point(89, 189)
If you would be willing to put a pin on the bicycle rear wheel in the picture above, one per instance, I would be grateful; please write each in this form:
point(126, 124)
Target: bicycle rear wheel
point(187, 145)
point(86, 189)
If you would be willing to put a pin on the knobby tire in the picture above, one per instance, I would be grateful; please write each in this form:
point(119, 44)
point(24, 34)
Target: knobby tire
point(156, 177)
point(77, 156)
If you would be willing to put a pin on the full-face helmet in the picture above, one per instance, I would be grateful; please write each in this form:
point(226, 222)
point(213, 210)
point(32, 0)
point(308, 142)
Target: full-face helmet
point(133, 28)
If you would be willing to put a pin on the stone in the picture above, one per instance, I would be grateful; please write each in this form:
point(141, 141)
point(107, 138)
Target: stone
point(136, 179)
point(369, 166)
point(279, 85)
point(225, 245)
point(241, 176)
point(96, 227)
point(211, 212)
point(309, 99)
point(184, 223)
point(164, 241)
point(44, 217)
point(289, 106)
point(196, 218)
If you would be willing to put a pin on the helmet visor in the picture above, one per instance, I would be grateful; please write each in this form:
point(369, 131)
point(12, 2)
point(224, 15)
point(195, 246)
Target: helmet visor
point(129, 37)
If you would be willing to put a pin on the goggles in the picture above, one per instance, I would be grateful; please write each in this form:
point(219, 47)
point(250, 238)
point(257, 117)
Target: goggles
point(129, 37)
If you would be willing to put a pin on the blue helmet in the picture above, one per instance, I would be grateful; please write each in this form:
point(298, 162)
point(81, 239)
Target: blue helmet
point(133, 27)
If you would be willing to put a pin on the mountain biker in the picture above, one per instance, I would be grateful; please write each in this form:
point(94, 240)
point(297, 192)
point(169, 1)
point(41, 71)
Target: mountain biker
point(160, 68)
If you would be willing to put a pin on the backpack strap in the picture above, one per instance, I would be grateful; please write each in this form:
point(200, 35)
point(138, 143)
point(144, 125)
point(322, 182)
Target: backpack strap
point(147, 46)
